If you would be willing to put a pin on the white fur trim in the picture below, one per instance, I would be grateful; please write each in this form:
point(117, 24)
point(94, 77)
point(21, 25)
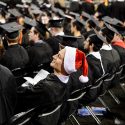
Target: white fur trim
point(83, 79)
point(69, 60)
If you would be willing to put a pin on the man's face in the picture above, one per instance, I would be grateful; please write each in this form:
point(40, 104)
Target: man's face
point(32, 35)
point(58, 61)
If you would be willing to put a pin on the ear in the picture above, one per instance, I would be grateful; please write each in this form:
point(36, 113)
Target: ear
point(61, 46)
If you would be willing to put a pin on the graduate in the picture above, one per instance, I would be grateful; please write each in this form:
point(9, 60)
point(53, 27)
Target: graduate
point(8, 96)
point(56, 29)
point(39, 51)
point(54, 89)
point(15, 55)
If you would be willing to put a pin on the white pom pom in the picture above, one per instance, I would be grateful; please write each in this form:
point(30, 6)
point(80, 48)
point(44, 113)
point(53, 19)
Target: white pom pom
point(83, 79)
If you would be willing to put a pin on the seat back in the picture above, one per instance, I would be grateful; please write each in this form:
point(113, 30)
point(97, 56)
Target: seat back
point(22, 118)
point(122, 77)
point(78, 94)
point(96, 89)
point(33, 115)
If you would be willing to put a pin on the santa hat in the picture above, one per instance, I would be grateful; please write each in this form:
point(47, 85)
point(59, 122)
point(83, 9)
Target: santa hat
point(74, 60)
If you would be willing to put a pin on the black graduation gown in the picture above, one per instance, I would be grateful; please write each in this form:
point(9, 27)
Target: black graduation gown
point(95, 68)
point(95, 71)
point(15, 56)
point(7, 94)
point(111, 60)
point(49, 91)
point(121, 52)
point(39, 53)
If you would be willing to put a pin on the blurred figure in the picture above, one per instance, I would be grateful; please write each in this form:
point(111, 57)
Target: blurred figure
point(15, 55)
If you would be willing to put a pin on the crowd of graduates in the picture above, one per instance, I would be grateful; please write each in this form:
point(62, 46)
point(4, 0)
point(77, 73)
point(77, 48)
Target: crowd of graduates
point(76, 44)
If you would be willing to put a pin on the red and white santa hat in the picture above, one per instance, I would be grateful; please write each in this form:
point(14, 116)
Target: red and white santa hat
point(74, 60)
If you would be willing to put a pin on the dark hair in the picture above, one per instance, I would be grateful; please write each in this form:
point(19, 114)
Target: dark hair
point(96, 41)
point(39, 34)
point(108, 34)
point(78, 25)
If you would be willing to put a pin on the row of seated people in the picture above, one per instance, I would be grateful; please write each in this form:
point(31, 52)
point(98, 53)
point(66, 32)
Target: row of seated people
point(59, 83)
point(101, 60)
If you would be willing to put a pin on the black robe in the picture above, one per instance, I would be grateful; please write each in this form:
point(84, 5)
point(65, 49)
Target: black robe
point(95, 71)
point(95, 68)
point(7, 94)
point(39, 53)
point(49, 91)
point(121, 52)
point(111, 60)
point(15, 56)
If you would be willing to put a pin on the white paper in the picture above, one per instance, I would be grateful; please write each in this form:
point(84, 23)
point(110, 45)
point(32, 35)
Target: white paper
point(42, 74)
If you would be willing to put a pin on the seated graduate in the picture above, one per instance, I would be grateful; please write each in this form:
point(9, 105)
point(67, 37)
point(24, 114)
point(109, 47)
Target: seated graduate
point(39, 51)
point(76, 29)
point(54, 89)
point(93, 44)
point(110, 57)
point(15, 55)
point(117, 42)
point(8, 96)
point(56, 29)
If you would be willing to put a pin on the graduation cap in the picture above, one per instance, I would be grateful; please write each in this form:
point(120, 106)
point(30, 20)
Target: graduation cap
point(93, 23)
point(21, 6)
point(29, 21)
point(14, 12)
point(101, 37)
point(111, 28)
point(82, 23)
point(36, 11)
point(86, 15)
point(112, 21)
point(41, 28)
point(2, 4)
point(56, 22)
point(75, 15)
point(68, 40)
point(11, 29)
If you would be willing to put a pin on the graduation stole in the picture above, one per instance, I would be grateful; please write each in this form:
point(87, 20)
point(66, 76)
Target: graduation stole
point(119, 43)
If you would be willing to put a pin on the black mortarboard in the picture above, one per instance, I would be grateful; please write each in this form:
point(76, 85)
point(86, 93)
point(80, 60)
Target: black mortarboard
point(101, 37)
point(111, 28)
point(41, 28)
point(29, 21)
point(56, 22)
point(3, 7)
point(2, 4)
point(108, 19)
point(68, 40)
point(74, 14)
point(86, 15)
point(11, 29)
point(36, 11)
point(96, 22)
point(112, 21)
point(14, 12)
point(82, 23)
